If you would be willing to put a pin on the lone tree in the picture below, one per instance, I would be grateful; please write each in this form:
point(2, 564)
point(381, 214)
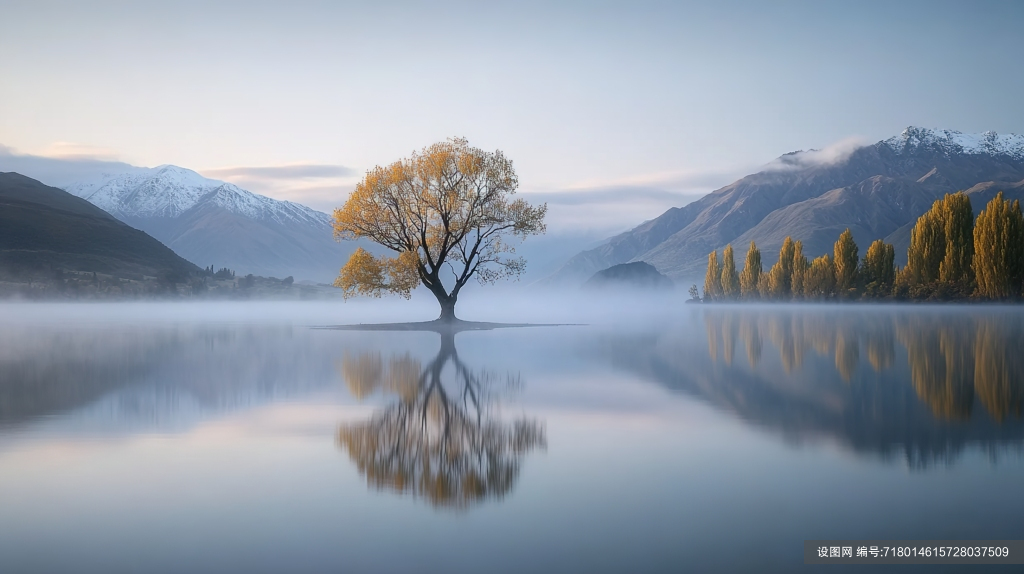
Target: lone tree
point(446, 211)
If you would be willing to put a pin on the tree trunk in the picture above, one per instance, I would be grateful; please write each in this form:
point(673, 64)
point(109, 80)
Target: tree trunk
point(447, 309)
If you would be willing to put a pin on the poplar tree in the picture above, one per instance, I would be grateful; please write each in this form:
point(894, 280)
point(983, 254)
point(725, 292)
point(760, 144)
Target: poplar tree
point(799, 269)
point(780, 277)
point(927, 248)
point(942, 246)
point(713, 278)
point(730, 280)
point(845, 261)
point(999, 245)
point(820, 279)
point(751, 275)
point(958, 228)
point(878, 269)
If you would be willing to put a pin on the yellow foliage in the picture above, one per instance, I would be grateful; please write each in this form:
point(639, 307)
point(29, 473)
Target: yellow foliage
point(449, 205)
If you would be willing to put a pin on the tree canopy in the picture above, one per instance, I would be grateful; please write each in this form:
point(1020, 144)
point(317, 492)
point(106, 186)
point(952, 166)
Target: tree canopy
point(448, 209)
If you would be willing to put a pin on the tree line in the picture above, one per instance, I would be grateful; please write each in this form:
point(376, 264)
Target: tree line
point(952, 255)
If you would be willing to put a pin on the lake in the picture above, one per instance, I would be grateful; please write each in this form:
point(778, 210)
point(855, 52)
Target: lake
point(247, 438)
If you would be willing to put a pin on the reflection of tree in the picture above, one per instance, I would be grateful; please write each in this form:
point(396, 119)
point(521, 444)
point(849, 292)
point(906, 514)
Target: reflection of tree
point(999, 369)
point(752, 339)
point(881, 347)
point(445, 444)
point(785, 334)
point(951, 357)
point(847, 354)
point(941, 364)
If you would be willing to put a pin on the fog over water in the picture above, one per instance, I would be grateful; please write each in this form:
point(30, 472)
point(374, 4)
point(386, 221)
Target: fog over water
point(641, 435)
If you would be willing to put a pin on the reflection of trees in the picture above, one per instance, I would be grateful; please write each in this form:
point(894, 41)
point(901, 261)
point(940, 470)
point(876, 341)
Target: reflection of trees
point(443, 443)
point(951, 357)
point(941, 364)
point(999, 369)
point(847, 354)
point(881, 348)
point(752, 339)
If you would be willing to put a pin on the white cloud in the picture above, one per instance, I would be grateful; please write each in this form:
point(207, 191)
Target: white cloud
point(320, 186)
point(287, 171)
point(72, 150)
point(829, 155)
point(61, 170)
point(615, 205)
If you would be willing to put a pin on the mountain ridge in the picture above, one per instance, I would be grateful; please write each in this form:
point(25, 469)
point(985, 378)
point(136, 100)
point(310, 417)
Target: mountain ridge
point(212, 222)
point(44, 230)
point(915, 165)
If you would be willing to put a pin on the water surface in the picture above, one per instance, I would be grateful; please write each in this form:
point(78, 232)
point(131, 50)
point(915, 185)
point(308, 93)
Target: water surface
point(175, 438)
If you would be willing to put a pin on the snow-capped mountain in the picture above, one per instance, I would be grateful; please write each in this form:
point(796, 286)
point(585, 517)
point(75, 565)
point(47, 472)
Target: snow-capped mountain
point(211, 222)
point(169, 191)
point(877, 191)
point(913, 139)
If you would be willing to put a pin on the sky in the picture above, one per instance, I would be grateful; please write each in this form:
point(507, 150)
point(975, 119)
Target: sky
point(611, 111)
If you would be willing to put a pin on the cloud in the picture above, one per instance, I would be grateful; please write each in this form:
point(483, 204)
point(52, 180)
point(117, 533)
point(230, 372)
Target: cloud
point(60, 171)
point(320, 186)
point(610, 195)
point(615, 205)
point(679, 181)
point(831, 154)
point(288, 171)
point(71, 150)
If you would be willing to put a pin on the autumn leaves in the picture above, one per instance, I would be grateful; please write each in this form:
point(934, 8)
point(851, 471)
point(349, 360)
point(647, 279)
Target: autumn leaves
point(951, 256)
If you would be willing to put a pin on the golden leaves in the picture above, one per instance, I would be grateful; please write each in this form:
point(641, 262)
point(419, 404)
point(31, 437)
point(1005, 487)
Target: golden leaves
point(367, 275)
point(449, 203)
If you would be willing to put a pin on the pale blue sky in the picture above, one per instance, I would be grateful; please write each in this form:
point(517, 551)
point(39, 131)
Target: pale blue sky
point(663, 98)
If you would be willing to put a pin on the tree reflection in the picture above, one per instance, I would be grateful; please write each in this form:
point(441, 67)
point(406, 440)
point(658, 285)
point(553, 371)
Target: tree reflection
point(999, 369)
point(444, 443)
point(941, 364)
point(951, 358)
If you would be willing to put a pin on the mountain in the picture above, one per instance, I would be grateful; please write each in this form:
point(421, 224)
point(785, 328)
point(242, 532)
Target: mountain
point(636, 274)
point(878, 191)
point(210, 222)
point(43, 228)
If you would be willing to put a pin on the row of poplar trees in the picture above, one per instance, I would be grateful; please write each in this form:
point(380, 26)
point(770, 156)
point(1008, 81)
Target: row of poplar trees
point(952, 255)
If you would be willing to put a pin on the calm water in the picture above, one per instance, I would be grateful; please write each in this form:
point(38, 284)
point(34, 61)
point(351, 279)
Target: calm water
point(174, 439)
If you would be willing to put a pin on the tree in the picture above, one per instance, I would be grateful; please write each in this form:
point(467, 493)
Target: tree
point(751, 276)
point(820, 279)
point(878, 269)
point(448, 207)
point(780, 277)
point(941, 247)
point(958, 228)
point(713, 278)
point(799, 269)
point(845, 261)
point(730, 280)
point(694, 294)
point(999, 245)
point(927, 249)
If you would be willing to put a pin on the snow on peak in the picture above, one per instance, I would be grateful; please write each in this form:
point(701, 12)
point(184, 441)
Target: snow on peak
point(262, 208)
point(169, 190)
point(954, 142)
